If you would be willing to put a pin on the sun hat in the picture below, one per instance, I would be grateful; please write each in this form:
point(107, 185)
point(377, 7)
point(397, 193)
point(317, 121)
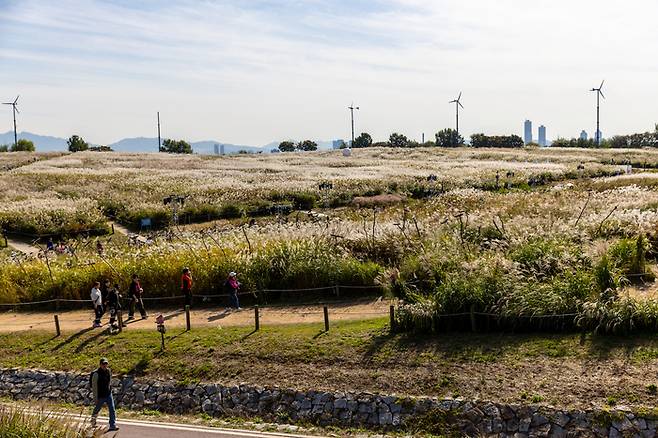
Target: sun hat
point(104, 361)
point(232, 274)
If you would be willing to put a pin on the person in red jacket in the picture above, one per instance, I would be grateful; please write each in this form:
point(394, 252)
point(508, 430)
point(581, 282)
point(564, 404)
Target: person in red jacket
point(186, 286)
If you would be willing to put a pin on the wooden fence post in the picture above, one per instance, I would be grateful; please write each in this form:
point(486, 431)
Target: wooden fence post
point(187, 318)
point(120, 319)
point(473, 324)
point(392, 318)
point(57, 325)
point(326, 318)
point(256, 318)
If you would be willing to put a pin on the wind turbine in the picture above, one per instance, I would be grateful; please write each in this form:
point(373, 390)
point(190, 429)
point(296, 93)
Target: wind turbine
point(352, 108)
point(457, 105)
point(597, 134)
point(13, 106)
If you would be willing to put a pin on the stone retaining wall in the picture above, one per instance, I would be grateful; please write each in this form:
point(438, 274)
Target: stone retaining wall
point(472, 418)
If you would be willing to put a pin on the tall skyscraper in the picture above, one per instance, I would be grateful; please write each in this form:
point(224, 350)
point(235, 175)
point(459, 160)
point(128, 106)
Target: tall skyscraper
point(583, 135)
point(216, 149)
point(598, 136)
point(221, 149)
point(527, 132)
point(541, 137)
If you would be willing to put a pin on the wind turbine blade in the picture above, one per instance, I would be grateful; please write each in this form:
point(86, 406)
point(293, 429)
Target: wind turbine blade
point(452, 101)
point(16, 109)
point(16, 99)
point(460, 104)
point(460, 96)
point(601, 93)
point(601, 86)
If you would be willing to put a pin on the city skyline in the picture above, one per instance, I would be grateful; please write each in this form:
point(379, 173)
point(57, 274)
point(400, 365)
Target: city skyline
point(251, 73)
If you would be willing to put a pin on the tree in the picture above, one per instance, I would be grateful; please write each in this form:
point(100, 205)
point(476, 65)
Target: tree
point(448, 138)
point(398, 140)
point(77, 144)
point(101, 148)
point(307, 145)
point(287, 146)
point(176, 146)
point(362, 141)
point(4, 148)
point(23, 145)
point(496, 141)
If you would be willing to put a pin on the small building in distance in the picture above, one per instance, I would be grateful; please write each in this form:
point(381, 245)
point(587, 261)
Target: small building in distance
point(216, 149)
point(583, 135)
point(541, 137)
point(527, 132)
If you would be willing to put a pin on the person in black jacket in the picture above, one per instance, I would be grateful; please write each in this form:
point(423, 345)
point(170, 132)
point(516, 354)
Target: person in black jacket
point(114, 304)
point(101, 386)
point(135, 294)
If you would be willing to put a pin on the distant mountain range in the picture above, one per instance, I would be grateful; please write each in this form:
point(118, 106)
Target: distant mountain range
point(45, 143)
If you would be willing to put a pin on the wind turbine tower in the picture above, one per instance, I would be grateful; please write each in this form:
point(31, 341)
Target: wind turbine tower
point(352, 108)
point(599, 93)
point(13, 106)
point(457, 105)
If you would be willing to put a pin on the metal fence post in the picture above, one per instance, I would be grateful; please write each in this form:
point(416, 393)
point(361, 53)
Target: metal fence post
point(187, 318)
point(256, 318)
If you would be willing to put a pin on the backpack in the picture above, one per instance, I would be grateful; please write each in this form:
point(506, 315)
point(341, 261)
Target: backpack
point(91, 379)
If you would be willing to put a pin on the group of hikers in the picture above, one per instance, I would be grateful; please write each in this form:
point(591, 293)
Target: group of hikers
point(107, 297)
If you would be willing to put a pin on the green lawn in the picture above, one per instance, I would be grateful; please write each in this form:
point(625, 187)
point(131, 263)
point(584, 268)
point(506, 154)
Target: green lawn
point(362, 355)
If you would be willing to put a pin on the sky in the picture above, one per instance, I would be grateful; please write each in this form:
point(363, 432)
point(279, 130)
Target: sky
point(255, 71)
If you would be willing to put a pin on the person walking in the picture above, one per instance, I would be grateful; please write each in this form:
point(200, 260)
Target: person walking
point(232, 286)
point(97, 301)
point(114, 304)
point(186, 286)
point(135, 292)
point(101, 386)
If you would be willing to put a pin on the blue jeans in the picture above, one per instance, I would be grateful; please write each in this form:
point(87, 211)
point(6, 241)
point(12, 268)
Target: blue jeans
point(233, 299)
point(110, 407)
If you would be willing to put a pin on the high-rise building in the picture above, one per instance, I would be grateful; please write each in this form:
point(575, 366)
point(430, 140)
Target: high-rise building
point(583, 135)
point(541, 137)
point(527, 132)
point(216, 149)
point(221, 149)
point(599, 136)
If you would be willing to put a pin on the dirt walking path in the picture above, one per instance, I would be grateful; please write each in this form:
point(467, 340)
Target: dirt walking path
point(23, 246)
point(75, 320)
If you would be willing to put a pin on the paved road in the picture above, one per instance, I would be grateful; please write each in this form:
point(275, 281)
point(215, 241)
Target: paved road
point(132, 428)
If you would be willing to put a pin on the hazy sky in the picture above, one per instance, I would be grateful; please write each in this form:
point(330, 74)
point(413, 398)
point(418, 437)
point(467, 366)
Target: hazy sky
point(253, 71)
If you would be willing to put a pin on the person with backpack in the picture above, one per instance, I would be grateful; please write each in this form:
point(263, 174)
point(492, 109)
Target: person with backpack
point(135, 292)
point(186, 286)
point(100, 381)
point(97, 301)
point(114, 304)
point(232, 285)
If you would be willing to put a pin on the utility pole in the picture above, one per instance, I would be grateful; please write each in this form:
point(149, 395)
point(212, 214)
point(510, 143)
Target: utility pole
point(352, 108)
point(159, 144)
